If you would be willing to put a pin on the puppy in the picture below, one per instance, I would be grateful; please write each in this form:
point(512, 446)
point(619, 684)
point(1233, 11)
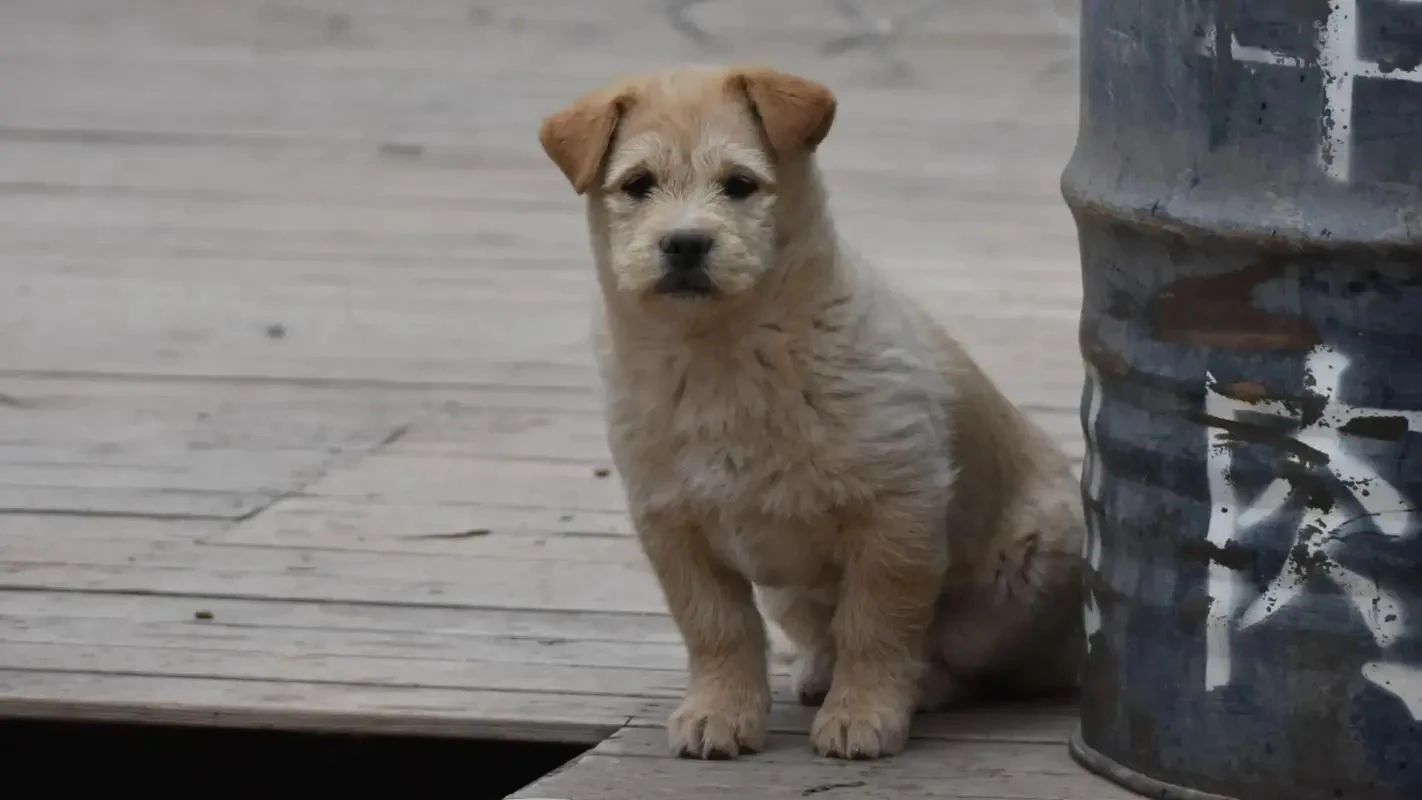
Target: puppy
point(787, 423)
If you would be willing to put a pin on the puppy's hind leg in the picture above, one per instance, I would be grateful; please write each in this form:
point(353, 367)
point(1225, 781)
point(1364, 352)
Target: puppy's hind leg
point(1021, 630)
point(805, 617)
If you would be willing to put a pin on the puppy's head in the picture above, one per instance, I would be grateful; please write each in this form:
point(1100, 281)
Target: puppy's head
point(684, 170)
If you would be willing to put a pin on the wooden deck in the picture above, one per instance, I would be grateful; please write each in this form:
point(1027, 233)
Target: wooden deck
point(298, 425)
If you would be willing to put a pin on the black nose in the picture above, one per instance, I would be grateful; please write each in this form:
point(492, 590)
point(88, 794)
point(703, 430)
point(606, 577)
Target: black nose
point(685, 249)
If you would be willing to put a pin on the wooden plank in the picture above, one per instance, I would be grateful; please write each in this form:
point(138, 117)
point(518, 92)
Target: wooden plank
point(243, 471)
point(597, 777)
point(157, 503)
point(486, 481)
point(1023, 278)
point(329, 575)
point(510, 433)
point(319, 707)
point(228, 25)
point(255, 643)
point(1037, 733)
point(355, 619)
point(285, 404)
point(467, 175)
point(422, 96)
point(1039, 722)
point(51, 527)
point(87, 448)
point(510, 651)
point(632, 763)
point(1030, 350)
point(338, 523)
point(974, 230)
point(197, 660)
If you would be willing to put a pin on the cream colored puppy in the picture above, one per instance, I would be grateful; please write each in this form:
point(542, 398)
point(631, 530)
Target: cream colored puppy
point(784, 420)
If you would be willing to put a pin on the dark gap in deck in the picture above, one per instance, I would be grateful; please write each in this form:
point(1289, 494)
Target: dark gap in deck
point(133, 756)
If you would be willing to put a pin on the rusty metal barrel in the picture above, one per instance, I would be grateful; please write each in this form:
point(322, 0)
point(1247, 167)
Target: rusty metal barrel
point(1247, 187)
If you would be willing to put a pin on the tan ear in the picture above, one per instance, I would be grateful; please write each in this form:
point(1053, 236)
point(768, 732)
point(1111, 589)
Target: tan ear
point(796, 113)
point(577, 137)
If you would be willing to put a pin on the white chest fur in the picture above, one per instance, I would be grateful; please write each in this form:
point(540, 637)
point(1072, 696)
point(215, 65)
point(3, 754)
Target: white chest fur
point(744, 428)
point(765, 441)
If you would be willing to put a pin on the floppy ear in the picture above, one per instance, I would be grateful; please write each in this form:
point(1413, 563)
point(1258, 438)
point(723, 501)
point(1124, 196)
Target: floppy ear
point(796, 113)
point(577, 137)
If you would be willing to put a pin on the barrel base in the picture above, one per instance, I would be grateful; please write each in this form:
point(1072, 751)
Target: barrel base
point(1130, 779)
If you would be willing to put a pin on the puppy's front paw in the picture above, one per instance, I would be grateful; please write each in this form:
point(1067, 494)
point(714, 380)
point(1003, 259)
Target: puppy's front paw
point(716, 726)
point(859, 730)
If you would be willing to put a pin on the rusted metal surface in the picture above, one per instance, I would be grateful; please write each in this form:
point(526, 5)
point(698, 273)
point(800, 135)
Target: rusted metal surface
point(1248, 192)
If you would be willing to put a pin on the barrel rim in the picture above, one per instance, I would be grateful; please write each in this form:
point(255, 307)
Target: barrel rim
point(1153, 214)
point(1128, 778)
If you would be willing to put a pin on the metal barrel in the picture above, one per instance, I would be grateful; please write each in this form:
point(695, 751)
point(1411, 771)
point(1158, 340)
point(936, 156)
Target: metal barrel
point(1247, 186)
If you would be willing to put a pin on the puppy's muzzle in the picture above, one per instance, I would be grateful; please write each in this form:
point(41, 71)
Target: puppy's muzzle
point(684, 250)
point(684, 263)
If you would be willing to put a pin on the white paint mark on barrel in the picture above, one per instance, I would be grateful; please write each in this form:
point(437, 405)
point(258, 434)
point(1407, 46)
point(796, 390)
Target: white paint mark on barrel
point(1402, 680)
point(1341, 64)
point(1320, 529)
point(1091, 479)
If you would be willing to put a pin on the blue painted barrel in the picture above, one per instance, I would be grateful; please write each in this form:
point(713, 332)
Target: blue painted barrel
point(1246, 190)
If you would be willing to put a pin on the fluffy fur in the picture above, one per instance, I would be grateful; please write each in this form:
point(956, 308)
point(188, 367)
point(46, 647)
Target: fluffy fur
point(802, 432)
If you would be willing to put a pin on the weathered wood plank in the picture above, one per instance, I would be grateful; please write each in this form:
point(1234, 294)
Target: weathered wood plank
point(93, 447)
point(486, 481)
point(507, 651)
point(1041, 722)
point(434, 25)
point(254, 643)
point(52, 527)
point(284, 404)
point(632, 763)
point(414, 671)
point(413, 95)
point(338, 523)
point(315, 524)
point(466, 175)
point(1021, 281)
point(964, 234)
point(321, 707)
point(329, 575)
point(336, 312)
point(159, 503)
point(1028, 352)
point(355, 619)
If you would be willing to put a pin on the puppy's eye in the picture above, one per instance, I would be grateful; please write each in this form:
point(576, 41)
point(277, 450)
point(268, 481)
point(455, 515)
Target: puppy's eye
point(739, 187)
point(639, 186)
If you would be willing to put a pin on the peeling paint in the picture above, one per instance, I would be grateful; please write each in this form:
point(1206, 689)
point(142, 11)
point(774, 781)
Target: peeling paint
point(1219, 312)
